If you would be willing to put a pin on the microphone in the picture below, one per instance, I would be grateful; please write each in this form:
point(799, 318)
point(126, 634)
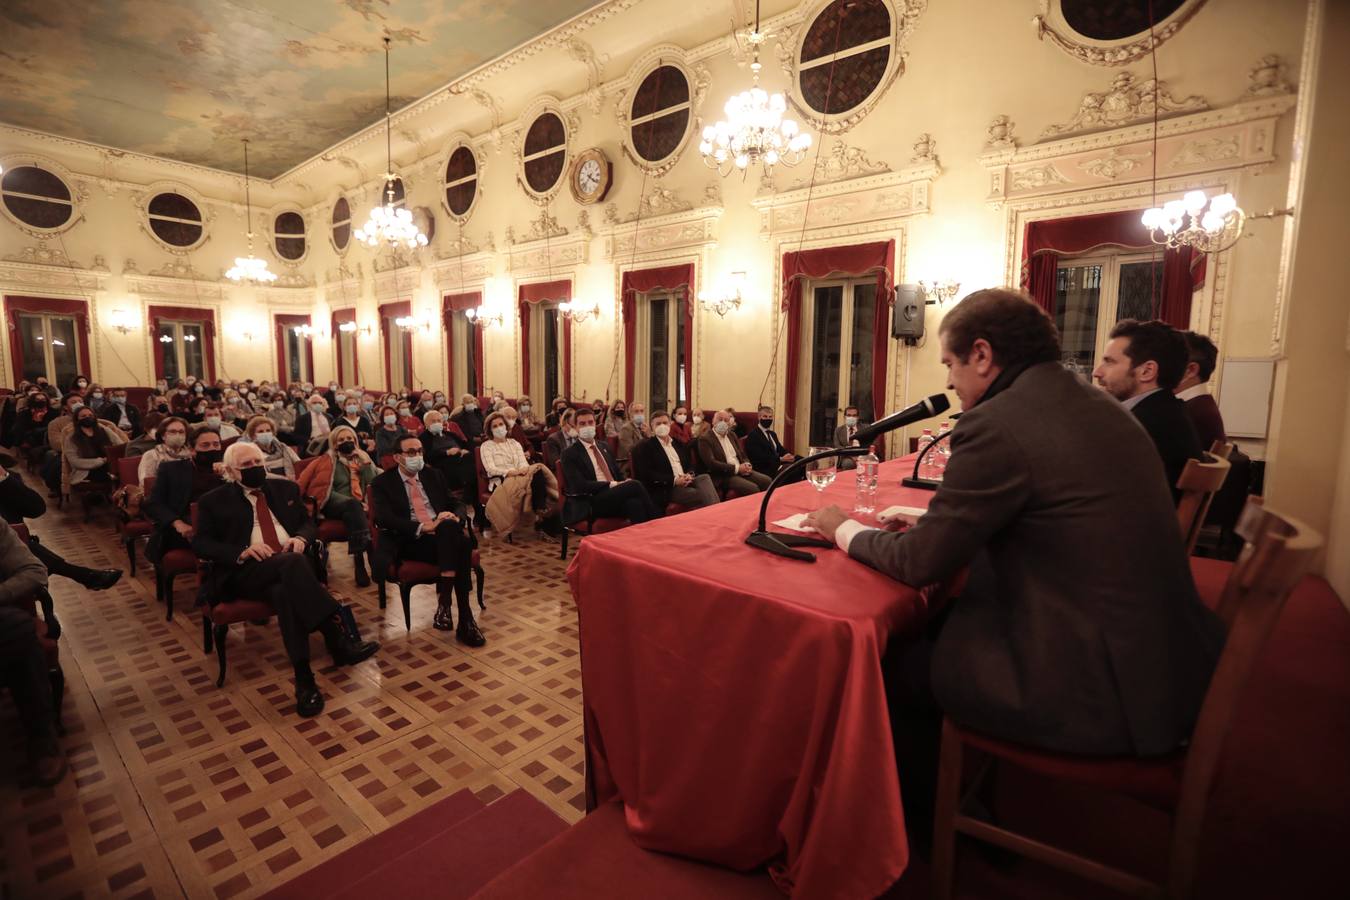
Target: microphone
point(924, 409)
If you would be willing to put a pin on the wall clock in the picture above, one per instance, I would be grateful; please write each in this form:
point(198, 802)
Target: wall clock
point(591, 177)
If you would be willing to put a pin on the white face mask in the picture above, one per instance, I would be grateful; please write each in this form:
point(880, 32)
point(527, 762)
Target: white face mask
point(697, 419)
point(850, 421)
point(213, 421)
point(638, 418)
point(571, 433)
point(586, 433)
point(264, 438)
point(435, 428)
point(680, 417)
point(721, 427)
point(499, 432)
point(390, 420)
point(352, 409)
point(662, 430)
point(524, 407)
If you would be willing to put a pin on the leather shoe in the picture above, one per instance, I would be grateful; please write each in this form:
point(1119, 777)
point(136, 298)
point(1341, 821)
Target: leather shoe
point(362, 576)
point(468, 633)
point(100, 579)
point(444, 620)
point(49, 762)
point(351, 652)
point(308, 700)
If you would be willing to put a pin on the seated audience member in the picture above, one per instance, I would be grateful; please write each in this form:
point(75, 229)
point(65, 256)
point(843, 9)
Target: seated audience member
point(617, 418)
point(23, 664)
point(339, 483)
point(720, 456)
point(516, 432)
point(178, 484)
point(354, 417)
point(70, 405)
point(594, 487)
point(1141, 366)
point(86, 450)
point(663, 467)
point(388, 433)
point(278, 458)
point(196, 408)
point(527, 486)
point(18, 502)
point(78, 385)
point(736, 428)
point(120, 413)
point(97, 398)
point(1066, 637)
point(680, 427)
point(310, 434)
point(555, 413)
point(146, 442)
point(410, 415)
point(498, 399)
point(172, 444)
point(283, 414)
point(560, 439)
point(767, 454)
point(420, 521)
point(215, 420)
point(47, 387)
point(30, 426)
point(528, 422)
point(255, 531)
point(448, 451)
point(600, 416)
point(633, 432)
point(843, 436)
point(469, 418)
point(1193, 389)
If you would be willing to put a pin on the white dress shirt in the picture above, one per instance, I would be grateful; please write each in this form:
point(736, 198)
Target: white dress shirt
point(729, 449)
point(500, 457)
point(1195, 390)
point(1134, 401)
point(669, 446)
point(257, 536)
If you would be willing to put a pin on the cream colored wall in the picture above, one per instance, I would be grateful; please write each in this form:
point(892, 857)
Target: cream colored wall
point(967, 62)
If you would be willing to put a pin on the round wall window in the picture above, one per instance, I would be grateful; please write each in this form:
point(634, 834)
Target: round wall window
point(175, 219)
point(659, 116)
point(461, 181)
point(845, 55)
point(36, 197)
point(545, 154)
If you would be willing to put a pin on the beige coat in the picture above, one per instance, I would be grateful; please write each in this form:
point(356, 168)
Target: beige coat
point(509, 506)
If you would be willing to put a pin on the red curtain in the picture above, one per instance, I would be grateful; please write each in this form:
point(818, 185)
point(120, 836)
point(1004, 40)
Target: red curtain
point(282, 324)
point(341, 316)
point(451, 304)
point(538, 293)
point(393, 311)
point(1046, 241)
point(859, 259)
point(76, 308)
point(184, 314)
point(642, 281)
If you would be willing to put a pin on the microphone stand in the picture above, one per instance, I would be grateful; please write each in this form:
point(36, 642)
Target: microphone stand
point(925, 484)
point(782, 543)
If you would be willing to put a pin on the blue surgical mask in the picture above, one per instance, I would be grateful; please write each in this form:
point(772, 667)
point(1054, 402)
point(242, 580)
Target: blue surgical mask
point(586, 433)
point(436, 428)
point(638, 418)
point(413, 463)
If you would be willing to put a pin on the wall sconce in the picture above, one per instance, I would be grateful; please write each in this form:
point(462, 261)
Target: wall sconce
point(307, 331)
point(352, 328)
point(409, 323)
point(482, 319)
point(724, 298)
point(122, 320)
point(578, 311)
point(944, 290)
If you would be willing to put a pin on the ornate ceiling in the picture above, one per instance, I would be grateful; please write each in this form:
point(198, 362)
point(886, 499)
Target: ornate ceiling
point(185, 79)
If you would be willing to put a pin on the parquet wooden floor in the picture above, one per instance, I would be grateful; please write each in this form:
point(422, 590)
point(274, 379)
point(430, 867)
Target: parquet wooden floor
point(178, 788)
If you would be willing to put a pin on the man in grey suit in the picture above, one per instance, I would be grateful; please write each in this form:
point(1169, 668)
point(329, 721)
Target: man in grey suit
point(1079, 630)
point(843, 435)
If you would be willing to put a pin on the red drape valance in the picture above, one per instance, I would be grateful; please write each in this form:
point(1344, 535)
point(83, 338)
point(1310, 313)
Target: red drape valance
point(76, 308)
point(390, 311)
point(1046, 241)
point(539, 293)
point(642, 281)
point(342, 316)
point(207, 317)
point(451, 304)
point(860, 259)
point(282, 324)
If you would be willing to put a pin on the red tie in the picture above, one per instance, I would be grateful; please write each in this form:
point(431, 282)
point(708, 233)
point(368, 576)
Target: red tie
point(265, 523)
point(418, 504)
point(601, 470)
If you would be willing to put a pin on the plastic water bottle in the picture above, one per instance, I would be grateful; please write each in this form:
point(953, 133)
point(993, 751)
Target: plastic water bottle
point(865, 496)
point(942, 452)
point(926, 464)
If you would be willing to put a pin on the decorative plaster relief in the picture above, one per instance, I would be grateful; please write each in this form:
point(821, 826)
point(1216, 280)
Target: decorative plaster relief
point(395, 284)
point(1037, 177)
point(1052, 24)
point(1114, 163)
point(925, 150)
point(43, 255)
point(1126, 101)
point(1001, 135)
point(841, 162)
point(663, 235)
point(1216, 149)
point(454, 274)
point(852, 202)
point(1267, 78)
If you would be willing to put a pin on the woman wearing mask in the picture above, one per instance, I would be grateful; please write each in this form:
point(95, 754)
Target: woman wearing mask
point(698, 425)
point(80, 384)
point(355, 419)
point(214, 418)
point(527, 421)
point(310, 434)
point(511, 477)
point(448, 451)
point(178, 484)
point(598, 407)
point(679, 426)
point(516, 433)
point(196, 411)
point(408, 419)
point(617, 418)
point(282, 415)
point(172, 437)
point(278, 459)
point(389, 433)
point(86, 450)
point(339, 481)
point(555, 413)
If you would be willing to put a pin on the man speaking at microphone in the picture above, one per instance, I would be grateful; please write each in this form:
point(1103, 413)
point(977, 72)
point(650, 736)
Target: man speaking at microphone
point(1079, 629)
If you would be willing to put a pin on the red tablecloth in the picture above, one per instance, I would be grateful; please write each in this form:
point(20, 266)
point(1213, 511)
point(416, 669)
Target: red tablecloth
point(734, 699)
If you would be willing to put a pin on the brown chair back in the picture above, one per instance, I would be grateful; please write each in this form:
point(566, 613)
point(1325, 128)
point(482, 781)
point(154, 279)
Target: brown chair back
point(1221, 450)
point(1198, 483)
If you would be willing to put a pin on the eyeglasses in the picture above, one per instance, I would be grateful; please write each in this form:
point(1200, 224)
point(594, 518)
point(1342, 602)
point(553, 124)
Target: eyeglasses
point(410, 452)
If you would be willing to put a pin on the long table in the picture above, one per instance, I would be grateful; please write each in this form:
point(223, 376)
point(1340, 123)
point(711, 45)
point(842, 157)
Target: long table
point(734, 699)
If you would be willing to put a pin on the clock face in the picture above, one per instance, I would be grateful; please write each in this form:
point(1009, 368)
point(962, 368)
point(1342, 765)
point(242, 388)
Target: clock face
point(588, 178)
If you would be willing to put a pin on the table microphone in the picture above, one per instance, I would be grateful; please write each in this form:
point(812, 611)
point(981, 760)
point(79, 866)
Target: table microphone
point(924, 409)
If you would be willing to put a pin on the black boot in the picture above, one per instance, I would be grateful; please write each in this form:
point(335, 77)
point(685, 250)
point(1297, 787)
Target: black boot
point(346, 649)
point(98, 579)
point(444, 620)
point(308, 700)
point(359, 567)
point(467, 633)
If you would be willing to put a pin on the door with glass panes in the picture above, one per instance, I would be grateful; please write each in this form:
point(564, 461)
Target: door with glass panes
point(183, 345)
point(51, 347)
point(295, 355)
point(464, 354)
point(661, 379)
point(1093, 293)
point(838, 322)
point(546, 353)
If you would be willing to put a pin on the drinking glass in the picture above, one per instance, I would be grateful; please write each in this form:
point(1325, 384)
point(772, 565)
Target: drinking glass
point(821, 473)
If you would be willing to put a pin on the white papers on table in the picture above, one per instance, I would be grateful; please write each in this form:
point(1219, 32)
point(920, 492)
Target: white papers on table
point(891, 513)
point(796, 523)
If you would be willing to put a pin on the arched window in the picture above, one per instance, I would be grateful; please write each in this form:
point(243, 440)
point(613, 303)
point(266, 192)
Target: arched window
point(659, 117)
point(342, 224)
point(545, 154)
point(461, 181)
point(288, 236)
point(175, 220)
point(845, 56)
point(36, 197)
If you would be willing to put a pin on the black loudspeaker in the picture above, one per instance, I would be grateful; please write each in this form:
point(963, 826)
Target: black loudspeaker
point(907, 313)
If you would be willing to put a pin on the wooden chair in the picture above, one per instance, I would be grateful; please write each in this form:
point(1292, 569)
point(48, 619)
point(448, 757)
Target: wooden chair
point(132, 530)
point(329, 531)
point(1278, 552)
point(171, 565)
point(409, 574)
point(590, 525)
point(1198, 483)
point(672, 508)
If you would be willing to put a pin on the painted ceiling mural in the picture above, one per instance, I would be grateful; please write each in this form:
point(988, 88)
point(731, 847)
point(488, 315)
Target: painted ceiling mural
point(185, 79)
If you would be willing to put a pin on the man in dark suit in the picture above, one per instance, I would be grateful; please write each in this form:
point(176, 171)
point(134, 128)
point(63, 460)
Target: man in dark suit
point(767, 453)
point(591, 474)
point(843, 435)
point(178, 484)
point(255, 531)
point(564, 436)
point(1141, 366)
point(664, 469)
point(311, 427)
point(1079, 630)
point(1193, 389)
point(417, 516)
point(121, 413)
point(720, 455)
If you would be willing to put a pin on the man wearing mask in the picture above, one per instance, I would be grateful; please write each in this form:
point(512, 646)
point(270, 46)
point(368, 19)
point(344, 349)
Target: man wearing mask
point(254, 530)
point(632, 433)
point(214, 419)
point(562, 438)
point(448, 451)
point(469, 418)
point(721, 456)
point(178, 484)
point(664, 469)
point(843, 435)
point(120, 413)
point(30, 426)
point(310, 433)
point(593, 486)
point(419, 521)
point(767, 454)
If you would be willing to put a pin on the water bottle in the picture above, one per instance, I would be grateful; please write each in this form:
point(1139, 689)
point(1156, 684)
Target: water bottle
point(865, 496)
point(942, 452)
point(926, 464)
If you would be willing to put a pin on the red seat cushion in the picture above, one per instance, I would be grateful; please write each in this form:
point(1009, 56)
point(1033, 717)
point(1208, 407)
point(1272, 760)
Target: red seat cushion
point(332, 531)
point(240, 611)
point(1155, 781)
point(138, 528)
point(178, 562)
point(412, 572)
point(1210, 577)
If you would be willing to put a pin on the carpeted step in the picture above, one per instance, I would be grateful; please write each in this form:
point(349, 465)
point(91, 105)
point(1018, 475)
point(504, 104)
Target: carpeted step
point(596, 858)
point(356, 862)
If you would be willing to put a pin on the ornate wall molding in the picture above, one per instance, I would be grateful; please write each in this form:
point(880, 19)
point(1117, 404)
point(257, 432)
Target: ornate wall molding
point(660, 237)
point(842, 162)
point(1052, 24)
point(158, 286)
point(868, 200)
point(457, 274)
point(1128, 100)
point(396, 284)
point(51, 272)
point(555, 254)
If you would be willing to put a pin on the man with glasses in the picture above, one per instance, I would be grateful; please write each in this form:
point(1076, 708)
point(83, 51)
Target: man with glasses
point(419, 521)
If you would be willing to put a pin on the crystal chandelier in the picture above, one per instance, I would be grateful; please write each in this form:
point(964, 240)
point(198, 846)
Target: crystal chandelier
point(249, 268)
point(390, 225)
point(1207, 224)
point(754, 130)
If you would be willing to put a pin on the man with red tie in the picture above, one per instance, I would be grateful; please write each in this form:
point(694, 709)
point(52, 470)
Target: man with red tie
point(593, 487)
point(255, 530)
point(419, 520)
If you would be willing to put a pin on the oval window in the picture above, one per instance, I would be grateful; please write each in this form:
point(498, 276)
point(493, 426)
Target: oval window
point(288, 235)
point(1114, 21)
point(342, 224)
point(461, 181)
point(36, 197)
point(659, 116)
point(175, 219)
point(845, 55)
point(545, 153)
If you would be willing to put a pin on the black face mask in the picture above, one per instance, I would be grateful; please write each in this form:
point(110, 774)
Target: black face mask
point(87, 424)
point(254, 477)
point(766, 423)
point(163, 407)
point(206, 459)
point(346, 447)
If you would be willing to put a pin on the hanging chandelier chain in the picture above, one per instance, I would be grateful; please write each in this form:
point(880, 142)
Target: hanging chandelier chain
point(390, 225)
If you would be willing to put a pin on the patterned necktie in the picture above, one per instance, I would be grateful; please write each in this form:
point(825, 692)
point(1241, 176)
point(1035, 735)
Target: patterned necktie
point(266, 525)
point(418, 504)
point(354, 474)
point(601, 470)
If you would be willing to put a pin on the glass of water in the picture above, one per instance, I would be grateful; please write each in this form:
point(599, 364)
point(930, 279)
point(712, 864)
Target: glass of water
point(821, 473)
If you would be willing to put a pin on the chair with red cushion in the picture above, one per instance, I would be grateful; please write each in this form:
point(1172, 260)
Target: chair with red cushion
point(583, 527)
point(329, 531)
point(217, 619)
point(172, 564)
point(409, 574)
point(132, 530)
point(672, 508)
point(1278, 552)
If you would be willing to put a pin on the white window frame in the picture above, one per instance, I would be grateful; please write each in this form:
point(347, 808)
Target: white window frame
point(46, 339)
point(1108, 301)
point(642, 362)
point(303, 351)
point(539, 356)
point(802, 413)
point(178, 347)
